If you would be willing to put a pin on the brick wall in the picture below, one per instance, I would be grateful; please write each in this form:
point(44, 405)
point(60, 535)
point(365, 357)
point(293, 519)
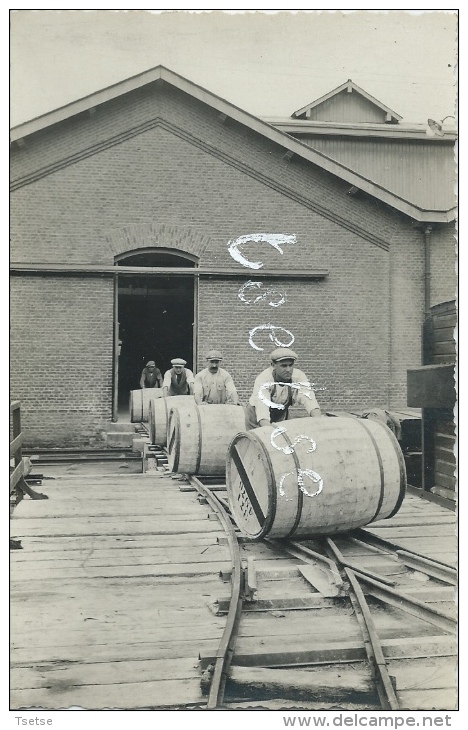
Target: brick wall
point(61, 358)
point(341, 339)
point(406, 309)
point(161, 170)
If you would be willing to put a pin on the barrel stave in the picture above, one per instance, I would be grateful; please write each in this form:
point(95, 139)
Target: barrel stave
point(158, 416)
point(139, 403)
point(199, 437)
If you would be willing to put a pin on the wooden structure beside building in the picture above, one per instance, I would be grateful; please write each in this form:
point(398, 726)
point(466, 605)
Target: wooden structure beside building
point(432, 388)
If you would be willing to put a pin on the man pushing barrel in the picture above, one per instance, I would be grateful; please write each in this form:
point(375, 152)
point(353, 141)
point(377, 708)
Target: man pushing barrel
point(151, 376)
point(179, 379)
point(278, 388)
point(213, 384)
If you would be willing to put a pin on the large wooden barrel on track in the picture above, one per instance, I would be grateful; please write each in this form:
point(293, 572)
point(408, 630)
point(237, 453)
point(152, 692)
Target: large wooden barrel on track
point(139, 403)
point(159, 416)
point(198, 437)
point(338, 474)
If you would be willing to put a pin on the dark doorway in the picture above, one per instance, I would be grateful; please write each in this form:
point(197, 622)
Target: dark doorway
point(156, 319)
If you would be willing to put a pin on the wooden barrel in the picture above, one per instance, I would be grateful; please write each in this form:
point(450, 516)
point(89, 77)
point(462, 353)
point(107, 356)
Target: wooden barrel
point(198, 437)
point(139, 403)
point(338, 474)
point(159, 415)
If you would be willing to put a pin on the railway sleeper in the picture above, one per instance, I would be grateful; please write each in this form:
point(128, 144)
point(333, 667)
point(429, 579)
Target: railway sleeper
point(350, 683)
point(340, 652)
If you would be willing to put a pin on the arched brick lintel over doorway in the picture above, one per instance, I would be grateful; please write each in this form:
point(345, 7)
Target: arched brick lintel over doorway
point(156, 235)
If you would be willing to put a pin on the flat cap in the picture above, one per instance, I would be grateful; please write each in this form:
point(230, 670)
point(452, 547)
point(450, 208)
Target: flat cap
point(214, 355)
point(282, 353)
point(150, 362)
point(178, 361)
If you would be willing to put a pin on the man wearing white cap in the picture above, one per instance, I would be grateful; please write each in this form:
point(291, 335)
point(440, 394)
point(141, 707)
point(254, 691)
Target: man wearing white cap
point(178, 380)
point(213, 384)
point(151, 376)
point(278, 388)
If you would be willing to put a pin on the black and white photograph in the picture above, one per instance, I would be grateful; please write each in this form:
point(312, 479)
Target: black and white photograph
point(233, 338)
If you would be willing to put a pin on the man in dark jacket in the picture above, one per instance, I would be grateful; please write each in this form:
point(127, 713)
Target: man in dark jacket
point(151, 376)
point(179, 379)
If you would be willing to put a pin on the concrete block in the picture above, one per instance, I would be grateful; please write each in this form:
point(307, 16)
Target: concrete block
point(123, 427)
point(139, 442)
point(119, 440)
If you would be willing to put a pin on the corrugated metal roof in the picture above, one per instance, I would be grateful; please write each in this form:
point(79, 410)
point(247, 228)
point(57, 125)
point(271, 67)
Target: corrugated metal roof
point(421, 172)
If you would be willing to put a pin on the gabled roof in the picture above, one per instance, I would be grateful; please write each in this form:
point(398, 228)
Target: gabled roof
point(290, 144)
point(350, 87)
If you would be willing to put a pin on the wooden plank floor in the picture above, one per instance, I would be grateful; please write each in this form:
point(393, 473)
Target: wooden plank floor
point(422, 527)
point(111, 595)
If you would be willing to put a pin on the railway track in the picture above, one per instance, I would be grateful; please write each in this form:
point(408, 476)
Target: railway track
point(354, 621)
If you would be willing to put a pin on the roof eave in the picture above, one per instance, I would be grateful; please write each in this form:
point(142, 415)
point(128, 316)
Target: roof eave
point(254, 123)
point(358, 130)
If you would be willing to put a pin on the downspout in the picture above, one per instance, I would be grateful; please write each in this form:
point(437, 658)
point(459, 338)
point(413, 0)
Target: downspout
point(116, 353)
point(426, 343)
point(427, 271)
point(426, 358)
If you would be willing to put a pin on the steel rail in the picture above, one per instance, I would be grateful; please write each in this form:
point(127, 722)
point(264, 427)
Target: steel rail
point(376, 585)
point(372, 644)
point(426, 565)
point(361, 535)
point(225, 650)
point(346, 563)
point(410, 605)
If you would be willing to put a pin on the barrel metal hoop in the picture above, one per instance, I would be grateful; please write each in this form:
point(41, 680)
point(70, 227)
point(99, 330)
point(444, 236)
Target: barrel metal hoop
point(382, 476)
point(300, 494)
point(167, 421)
point(272, 496)
point(200, 440)
point(175, 415)
point(401, 464)
point(150, 422)
point(141, 403)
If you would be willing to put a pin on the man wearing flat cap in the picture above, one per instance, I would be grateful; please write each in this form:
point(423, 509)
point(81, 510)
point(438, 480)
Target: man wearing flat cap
point(151, 376)
point(178, 380)
point(213, 384)
point(278, 388)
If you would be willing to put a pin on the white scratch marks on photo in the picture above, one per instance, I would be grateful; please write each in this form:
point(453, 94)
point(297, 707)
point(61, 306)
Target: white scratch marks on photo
point(290, 449)
point(312, 475)
point(272, 336)
point(267, 293)
point(273, 239)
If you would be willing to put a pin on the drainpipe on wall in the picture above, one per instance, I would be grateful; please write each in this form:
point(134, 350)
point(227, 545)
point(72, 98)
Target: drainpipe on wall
point(427, 271)
point(426, 343)
point(426, 358)
point(116, 353)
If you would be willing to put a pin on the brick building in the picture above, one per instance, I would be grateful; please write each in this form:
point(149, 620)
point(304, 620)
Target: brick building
point(123, 209)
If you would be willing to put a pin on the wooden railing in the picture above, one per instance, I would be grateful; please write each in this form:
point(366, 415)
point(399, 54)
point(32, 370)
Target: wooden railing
point(17, 480)
point(15, 448)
